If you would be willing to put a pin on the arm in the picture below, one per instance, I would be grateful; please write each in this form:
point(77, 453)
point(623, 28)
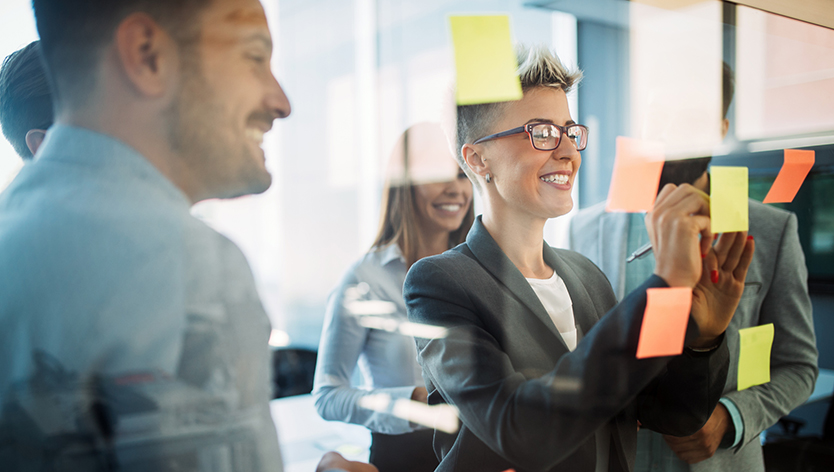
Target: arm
point(342, 341)
point(793, 369)
point(515, 415)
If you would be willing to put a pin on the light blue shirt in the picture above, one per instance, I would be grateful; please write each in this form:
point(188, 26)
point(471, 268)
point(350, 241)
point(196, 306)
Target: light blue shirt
point(653, 453)
point(387, 360)
point(111, 292)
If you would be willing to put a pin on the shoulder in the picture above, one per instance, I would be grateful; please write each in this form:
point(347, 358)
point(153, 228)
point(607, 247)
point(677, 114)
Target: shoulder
point(588, 217)
point(767, 216)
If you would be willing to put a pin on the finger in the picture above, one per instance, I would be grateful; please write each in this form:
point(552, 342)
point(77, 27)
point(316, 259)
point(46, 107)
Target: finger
point(703, 224)
point(733, 256)
point(710, 268)
point(663, 195)
point(722, 246)
point(740, 272)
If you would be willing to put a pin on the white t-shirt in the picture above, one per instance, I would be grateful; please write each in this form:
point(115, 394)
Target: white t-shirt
point(556, 300)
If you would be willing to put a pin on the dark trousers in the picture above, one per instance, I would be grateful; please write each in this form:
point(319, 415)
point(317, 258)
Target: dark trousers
point(410, 452)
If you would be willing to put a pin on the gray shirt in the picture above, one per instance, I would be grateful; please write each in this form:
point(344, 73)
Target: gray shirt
point(387, 360)
point(129, 330)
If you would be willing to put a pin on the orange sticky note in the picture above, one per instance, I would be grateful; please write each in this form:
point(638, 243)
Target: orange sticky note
point(664, 322)
point(791, 175)
point(637, 168)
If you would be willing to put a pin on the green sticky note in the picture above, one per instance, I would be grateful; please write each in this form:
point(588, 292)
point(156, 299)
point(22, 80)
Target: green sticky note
point(485, 61)
point(728, 199)
point(754, 355)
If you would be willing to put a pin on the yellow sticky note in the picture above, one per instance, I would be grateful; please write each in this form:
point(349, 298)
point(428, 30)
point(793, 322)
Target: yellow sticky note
point(485, 61)
point(754, 355)
point(728, 199)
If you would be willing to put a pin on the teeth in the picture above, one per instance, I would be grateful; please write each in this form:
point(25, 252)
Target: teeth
point(449, 207)
point(255, 135)
point(556, 178)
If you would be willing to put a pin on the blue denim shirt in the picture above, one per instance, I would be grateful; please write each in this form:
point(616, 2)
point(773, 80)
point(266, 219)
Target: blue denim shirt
point(128, 329)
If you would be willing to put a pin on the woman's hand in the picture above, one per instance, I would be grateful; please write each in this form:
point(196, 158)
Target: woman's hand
point(680, 215)
point(420, 395)
point(715, 298)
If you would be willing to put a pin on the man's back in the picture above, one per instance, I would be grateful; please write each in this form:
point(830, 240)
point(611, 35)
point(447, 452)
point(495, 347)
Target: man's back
point(127, 327)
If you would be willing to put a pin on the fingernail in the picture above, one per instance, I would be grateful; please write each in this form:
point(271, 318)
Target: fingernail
point(703, 255)
point(714, 276)
point(749, 238)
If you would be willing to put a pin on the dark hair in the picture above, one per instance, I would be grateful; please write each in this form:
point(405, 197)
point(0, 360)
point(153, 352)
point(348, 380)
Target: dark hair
point(398, 220)
point(687, 171)
point(25, 100)
point(75, 32)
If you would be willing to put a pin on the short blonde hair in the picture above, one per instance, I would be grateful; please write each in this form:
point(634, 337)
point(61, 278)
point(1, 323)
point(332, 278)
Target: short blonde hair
point(538, 66)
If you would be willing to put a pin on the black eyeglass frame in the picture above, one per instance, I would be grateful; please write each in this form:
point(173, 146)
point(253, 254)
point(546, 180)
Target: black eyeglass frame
point(528, 128)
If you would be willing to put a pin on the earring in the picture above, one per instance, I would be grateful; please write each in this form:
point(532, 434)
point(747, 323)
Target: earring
point(488, 178)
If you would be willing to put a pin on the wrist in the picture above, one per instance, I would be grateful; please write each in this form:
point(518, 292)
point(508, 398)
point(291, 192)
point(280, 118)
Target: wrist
point(705, 343)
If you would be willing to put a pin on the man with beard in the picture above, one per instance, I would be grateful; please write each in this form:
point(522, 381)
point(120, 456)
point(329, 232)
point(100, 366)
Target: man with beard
point(131, 334)
point(775, 292)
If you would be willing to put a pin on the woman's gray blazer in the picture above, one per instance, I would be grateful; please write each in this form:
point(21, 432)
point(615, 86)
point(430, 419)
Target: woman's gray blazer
point(525, 401)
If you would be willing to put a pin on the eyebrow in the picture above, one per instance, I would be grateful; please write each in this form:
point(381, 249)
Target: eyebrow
point(545, 120)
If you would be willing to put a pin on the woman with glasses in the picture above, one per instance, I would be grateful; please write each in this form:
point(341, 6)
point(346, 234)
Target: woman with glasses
point(426, 209)
point(538, 357)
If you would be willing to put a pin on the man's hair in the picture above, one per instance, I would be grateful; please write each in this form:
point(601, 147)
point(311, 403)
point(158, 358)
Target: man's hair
point(74, 33)
point(538, 67)
point(25, 99)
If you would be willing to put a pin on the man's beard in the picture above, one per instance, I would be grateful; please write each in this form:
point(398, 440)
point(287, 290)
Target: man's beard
point(684, 171)
point(199, 135)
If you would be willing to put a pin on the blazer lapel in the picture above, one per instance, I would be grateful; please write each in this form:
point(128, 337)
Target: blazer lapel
point(493, 259)
point(613, 229)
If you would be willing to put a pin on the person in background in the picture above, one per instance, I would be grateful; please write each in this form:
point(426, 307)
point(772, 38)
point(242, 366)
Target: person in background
point(775, 292)
point(25, 100)
point(426, 209)
point(538, 356)
point(139, 325)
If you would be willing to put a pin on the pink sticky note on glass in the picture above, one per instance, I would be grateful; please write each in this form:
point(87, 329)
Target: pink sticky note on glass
point(664, 322)
point(637, 168)
point(794, 170)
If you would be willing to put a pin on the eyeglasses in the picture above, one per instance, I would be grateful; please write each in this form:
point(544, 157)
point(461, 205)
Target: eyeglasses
point(546, 136)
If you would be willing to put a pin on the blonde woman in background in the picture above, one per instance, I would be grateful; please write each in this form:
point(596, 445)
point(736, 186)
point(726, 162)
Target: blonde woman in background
point(426, 209)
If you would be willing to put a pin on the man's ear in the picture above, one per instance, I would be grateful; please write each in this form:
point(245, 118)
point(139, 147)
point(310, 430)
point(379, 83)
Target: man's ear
point(34, 139)
point(147, 53)
point(472, 156)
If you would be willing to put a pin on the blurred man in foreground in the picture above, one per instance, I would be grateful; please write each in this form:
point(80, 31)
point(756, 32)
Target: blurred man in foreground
point(131, 334)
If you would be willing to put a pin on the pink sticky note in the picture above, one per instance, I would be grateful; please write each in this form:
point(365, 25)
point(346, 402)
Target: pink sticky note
point(664, 322)
point(637, 168)
point(794, 170)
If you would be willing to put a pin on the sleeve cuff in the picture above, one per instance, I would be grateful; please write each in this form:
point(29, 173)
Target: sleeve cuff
point(738, 423)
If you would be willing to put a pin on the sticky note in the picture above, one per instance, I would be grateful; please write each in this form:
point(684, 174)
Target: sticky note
point(485, 61)
point(664, 322)
point(728, 199)
point(754, 355)
point(637, 168)
point(793, 172)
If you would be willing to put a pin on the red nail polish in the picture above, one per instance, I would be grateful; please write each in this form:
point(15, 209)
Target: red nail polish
point(703, 255)
point(749, 238)
point(714, 276)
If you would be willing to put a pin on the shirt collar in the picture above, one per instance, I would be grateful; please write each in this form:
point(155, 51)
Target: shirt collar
point(106, 154)
point(390, 253)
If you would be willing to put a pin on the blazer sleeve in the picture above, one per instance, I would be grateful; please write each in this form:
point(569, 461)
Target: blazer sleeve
point(342, 341)
point(793, 358)
point(515, 415)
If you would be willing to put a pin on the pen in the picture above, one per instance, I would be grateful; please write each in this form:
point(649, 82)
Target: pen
point(640, 252)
